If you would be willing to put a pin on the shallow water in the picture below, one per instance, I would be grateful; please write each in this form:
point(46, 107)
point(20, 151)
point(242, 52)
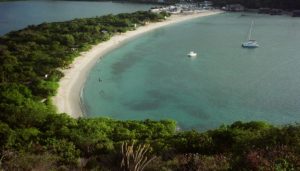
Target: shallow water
point(16, 15)
point(151, 76)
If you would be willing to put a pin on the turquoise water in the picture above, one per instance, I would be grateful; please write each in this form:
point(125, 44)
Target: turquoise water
point(151, 76)
point(18, 14)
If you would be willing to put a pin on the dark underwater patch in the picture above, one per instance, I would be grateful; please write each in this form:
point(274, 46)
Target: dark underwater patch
point(124, 64)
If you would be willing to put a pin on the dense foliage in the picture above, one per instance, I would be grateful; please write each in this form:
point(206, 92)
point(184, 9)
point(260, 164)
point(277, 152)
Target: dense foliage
point(31, 58)
point(63, 142)
point(34, 137)
point(53, 46)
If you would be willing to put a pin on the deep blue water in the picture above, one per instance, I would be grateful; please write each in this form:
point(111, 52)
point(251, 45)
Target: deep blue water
point(15, 15)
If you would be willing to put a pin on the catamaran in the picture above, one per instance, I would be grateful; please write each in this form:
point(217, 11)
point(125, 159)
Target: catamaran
point(250, 43)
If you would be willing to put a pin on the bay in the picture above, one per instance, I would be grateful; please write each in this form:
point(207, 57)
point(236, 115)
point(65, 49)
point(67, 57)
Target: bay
point(152, 77)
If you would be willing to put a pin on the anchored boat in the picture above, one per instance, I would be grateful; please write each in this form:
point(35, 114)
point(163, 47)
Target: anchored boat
point(250, 43)
point(192, 54)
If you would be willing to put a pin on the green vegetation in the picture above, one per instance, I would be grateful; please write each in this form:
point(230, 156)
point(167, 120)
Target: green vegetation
point(96, 144)
point(35, 137)
point(53, 46)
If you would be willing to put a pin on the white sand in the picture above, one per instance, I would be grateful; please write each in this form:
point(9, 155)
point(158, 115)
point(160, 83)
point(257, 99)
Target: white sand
point(68, 95)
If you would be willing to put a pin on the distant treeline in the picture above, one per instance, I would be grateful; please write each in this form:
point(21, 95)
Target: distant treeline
point(34, 137)
point(278, 4)
point(252, 4)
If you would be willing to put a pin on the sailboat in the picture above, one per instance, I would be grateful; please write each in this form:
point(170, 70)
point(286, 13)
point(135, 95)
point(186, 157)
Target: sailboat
point(250, 43)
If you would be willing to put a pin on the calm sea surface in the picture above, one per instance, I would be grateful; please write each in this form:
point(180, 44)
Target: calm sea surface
point(18, 14)
point(152, 77)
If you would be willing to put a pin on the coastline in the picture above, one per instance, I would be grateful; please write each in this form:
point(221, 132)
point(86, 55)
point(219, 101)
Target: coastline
point(68, 97)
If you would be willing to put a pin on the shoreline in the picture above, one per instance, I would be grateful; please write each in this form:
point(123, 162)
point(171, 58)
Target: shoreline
point(68, 97)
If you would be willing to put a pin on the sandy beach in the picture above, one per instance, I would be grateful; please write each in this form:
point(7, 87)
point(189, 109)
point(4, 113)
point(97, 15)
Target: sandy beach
point(67, 99)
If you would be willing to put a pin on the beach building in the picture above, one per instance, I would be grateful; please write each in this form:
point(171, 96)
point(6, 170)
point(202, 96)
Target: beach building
point(170, 9)
point(206, 5)
point(157, 1)
point(264, 10)
point(174, 9)
point(276, 12)
point(156, 9)
point(104, 31)
point(234, 8)
point(178, 8)
point(296, 13)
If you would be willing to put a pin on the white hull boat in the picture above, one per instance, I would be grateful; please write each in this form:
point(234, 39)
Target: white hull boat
point(250, 43)
point(192, 54)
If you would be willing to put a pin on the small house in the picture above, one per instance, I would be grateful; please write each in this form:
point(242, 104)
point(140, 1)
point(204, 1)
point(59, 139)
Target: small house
point(155, 10)
point(206, 5)
point(276, 12)
point(104, 31)
point(296, 13)
point(235, 7)
point(264, 10)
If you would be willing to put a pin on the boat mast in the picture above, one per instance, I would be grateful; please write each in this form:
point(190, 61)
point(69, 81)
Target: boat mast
point(250, 32)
